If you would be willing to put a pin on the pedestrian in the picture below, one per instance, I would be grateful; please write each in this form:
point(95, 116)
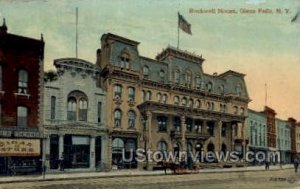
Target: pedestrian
point(267, 164)
point(61, 163)
point(296, 164)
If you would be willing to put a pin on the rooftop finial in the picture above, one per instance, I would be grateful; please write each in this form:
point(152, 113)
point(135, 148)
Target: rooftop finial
point(3, 28)
point(42, 37)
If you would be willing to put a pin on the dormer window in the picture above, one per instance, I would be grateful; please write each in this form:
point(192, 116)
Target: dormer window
point(209, 86)
point(146, 72)
point(188, 79)
point(238, 90)
point(221, 88)
point(191, 103)
point(198, 82)
point(125, 59)
point(162, 75)
point(164, 98)
point(177, 76)
point(235, 110)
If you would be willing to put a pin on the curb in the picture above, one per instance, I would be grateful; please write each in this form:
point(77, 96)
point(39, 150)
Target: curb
point(169, 173)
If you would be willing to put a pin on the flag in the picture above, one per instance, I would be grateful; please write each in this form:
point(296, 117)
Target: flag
point(184, 25)
point(296, 18)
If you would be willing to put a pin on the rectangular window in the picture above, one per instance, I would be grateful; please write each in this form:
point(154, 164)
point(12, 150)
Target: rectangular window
point(99, 111)
point(162, 123)
point(118, 91)
point(131, 94)
point(53, 104)
point(22, 114)
point(23, 82)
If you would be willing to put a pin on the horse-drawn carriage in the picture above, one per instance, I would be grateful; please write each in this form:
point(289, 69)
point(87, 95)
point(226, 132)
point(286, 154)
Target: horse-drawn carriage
point(178, 168)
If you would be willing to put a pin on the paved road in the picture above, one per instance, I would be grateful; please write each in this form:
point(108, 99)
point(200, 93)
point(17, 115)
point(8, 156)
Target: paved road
point(260, 179)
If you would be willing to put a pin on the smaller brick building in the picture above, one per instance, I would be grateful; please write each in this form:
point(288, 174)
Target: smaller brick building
point(21, 73)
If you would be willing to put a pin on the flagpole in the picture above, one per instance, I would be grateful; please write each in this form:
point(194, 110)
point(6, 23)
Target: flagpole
point(76, 32)
point(178, 31)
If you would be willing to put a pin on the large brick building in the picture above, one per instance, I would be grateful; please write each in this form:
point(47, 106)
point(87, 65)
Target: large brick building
point(169, 103)
point(21, 73)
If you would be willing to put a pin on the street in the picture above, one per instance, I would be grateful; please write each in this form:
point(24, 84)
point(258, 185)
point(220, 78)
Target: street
point(258, 179)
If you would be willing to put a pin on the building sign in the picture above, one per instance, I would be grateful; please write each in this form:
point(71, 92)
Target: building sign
point(19, 147)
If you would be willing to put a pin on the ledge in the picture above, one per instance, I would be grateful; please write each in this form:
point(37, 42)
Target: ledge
point(21, 94)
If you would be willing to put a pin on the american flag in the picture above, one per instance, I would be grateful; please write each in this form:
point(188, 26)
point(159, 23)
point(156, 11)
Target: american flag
point(183, 24)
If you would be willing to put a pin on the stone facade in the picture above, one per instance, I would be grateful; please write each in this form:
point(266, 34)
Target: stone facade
point(169, 103)
point(297, 136)
point(74, 117)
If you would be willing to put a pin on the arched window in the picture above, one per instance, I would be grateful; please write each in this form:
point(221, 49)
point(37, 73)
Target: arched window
point(131, 94)
point(125, 59)
point(131, 119)
point(198, 104)
point(77, 106)
point(117, 118)
point(209, 86)
point(118, 91)
point(162, 123)
point(117, 145)
point(148, 95)
point(176, 100)
point(222, 88)
point(144, 95)
point(72, 108)
point(162, 75)
point(198, 82)
point(162, 146)
point(23, 82)
point(235, 110)
point(177, 76)
point(242, 111)
point(212, 106)
point(208, 106)
point(159, 97)
point(22, 115)
point(164, 98)
point(146, 72)
point(210, 147)
point(184, 101)
point(83, 109)
point(191, 103)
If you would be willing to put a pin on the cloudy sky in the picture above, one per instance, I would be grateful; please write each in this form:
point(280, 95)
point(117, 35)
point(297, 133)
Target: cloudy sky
point(264, 46)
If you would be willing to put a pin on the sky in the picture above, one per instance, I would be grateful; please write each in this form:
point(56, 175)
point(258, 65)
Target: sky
point(264, 46)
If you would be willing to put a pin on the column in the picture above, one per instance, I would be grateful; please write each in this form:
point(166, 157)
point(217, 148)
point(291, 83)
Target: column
point(46, 152)
point(109, 152)
point(183, 130)
point(244, 141)
point(92, 153)
point(104, 150)
point(61, 146)
point(149, 139)
point(218, 129)
point(204, 127)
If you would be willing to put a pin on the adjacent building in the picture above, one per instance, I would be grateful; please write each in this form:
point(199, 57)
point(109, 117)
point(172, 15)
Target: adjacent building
point(284, 140)
point(297, 139)
point(21, 98)
point(74, 117)
point(168, 103)
point(257, 132)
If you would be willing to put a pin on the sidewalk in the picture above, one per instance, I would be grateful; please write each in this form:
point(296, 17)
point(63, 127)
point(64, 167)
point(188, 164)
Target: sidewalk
point(123, 173)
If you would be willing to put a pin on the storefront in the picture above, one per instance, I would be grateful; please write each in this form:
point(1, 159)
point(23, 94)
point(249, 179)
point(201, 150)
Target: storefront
point(20, 155)
point(76, 151)
point(123, 153)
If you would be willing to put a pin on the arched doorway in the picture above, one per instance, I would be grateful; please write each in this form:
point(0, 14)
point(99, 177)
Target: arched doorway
point(210, 147)
point(117, 149)
point(176, 150)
